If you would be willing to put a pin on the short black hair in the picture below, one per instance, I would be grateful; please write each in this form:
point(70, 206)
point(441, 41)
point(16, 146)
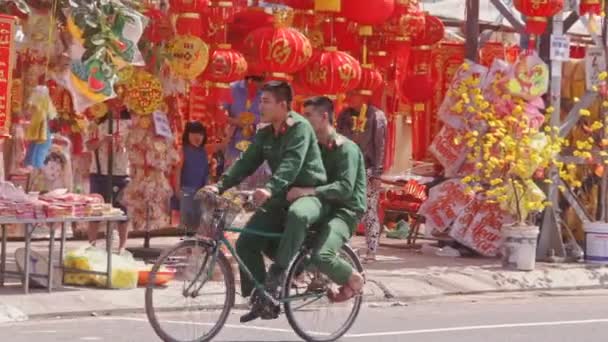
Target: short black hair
point(194, 127)
point(323, 104)
point(280, 90)
point(56, 157)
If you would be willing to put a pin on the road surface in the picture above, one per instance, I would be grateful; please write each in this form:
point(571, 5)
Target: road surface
point(555, 317)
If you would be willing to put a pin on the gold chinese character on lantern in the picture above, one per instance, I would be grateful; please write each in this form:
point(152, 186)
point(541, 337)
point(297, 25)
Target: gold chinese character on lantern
point(346, 73)
point(280, 51)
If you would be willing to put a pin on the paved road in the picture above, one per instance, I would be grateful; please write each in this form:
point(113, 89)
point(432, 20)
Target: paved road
point(559, 317)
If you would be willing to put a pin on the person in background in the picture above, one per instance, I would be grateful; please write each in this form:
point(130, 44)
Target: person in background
point(243, 121)
point(192, 173)
point(99, 146)
point(366, 126)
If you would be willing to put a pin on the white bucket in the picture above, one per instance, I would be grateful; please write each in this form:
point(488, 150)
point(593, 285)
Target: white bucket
point(519, 247)
point(596, 242)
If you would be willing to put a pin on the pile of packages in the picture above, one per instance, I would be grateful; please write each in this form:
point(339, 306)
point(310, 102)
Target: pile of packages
point(16, 204)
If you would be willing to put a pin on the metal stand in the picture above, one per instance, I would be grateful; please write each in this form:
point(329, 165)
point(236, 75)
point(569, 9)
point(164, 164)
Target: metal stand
point(146, 252)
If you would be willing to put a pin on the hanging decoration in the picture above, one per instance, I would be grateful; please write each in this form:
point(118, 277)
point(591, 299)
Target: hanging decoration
point(7, 58)
point(593, 7)
point(188, 16)
point(332, 72)
point(143, 93)
point(537, 13)
point(227, 65)
point(279, 51)
point(371, 80)
point(188, 56)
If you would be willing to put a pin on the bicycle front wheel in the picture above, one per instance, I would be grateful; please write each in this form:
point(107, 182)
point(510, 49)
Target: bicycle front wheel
point(309, 312)
point(190, 293)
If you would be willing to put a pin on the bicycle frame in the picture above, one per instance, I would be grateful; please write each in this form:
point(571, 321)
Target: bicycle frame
point(224, 241)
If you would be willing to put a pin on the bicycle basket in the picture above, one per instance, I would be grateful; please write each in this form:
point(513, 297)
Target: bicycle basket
point(217, 213)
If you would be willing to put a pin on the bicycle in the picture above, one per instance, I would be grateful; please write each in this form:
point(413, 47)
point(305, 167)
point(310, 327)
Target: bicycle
point(207, 253)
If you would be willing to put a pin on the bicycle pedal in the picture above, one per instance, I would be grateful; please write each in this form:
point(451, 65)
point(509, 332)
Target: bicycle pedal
point(248, 317)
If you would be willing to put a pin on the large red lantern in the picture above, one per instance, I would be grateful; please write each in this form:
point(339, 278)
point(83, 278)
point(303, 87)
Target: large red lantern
point(591, 7)
point(332, 72)
point(225, 66)
point(245, 22)
point(368, 12)
point(278, 51)
point(371, 80)
point(537, 12)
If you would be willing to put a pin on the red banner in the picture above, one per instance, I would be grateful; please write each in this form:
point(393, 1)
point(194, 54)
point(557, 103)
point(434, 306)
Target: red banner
point(7, 50)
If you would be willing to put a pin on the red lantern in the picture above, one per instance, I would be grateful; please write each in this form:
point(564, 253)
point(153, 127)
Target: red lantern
point(226, 66)
point(279, 51)
point(591, 7)
point(190, 24)
point(245, 22)
point(371, 80)
point(368, 12)
point(537, 12)
point(332, 72)
point(188, 6)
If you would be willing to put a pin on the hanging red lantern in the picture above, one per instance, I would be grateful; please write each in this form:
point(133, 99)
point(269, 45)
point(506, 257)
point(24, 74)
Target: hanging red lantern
point(368, 12)
point(190, 24)
point(332, 72)
point(245, 22)
point(591, 7)
point(371, 80)
point(537, 12)
point(279, 51)
point(226, 65)
point(188, 6)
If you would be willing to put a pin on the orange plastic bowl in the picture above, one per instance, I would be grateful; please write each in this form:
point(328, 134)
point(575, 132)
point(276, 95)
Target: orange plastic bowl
point(162, 278)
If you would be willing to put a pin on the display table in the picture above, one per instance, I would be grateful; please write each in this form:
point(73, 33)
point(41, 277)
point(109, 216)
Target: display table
point(30, 226)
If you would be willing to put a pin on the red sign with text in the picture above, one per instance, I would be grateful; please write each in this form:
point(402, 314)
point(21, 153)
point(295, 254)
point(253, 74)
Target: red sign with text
point(7, 47)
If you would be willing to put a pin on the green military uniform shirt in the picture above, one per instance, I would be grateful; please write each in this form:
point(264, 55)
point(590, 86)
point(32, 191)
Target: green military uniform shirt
point(347, 185)
point(292, 153)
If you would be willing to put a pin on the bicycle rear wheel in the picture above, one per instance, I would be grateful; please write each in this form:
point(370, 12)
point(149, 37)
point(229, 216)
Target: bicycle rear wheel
point(309, 312)
point(179, 310)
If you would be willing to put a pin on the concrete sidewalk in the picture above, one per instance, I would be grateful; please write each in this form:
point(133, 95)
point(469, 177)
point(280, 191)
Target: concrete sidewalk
point(399, 274)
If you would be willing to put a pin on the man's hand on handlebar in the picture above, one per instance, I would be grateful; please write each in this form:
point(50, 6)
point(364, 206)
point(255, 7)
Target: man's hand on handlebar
point(260, 196)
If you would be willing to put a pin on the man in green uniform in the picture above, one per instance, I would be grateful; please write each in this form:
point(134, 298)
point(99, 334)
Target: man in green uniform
point(345, 192)
point(289, 146)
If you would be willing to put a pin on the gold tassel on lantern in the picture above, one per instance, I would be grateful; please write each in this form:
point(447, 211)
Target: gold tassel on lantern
point(328, 5)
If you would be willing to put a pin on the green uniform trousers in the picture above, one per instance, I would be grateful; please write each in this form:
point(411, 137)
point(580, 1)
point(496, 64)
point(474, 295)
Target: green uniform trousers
point(333, 234)
point(293, 221)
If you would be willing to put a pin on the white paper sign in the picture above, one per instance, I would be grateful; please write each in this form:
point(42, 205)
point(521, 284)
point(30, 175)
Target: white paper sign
point(595, 64)
point(560, 48)
point(161, 125)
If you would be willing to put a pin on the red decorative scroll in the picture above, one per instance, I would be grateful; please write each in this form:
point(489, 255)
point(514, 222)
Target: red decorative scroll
point(7, 50)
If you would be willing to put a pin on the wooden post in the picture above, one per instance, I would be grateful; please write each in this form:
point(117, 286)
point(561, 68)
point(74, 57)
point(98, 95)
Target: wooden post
point(472, 30)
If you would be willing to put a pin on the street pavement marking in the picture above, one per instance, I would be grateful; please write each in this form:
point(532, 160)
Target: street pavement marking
point(231, 326)
point(476, 327)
